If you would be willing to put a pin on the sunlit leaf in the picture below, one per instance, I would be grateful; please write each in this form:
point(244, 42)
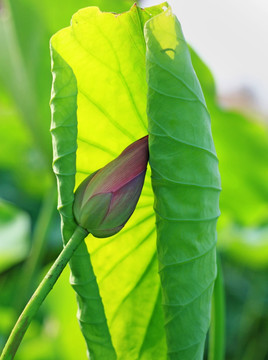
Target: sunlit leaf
point(109, 51)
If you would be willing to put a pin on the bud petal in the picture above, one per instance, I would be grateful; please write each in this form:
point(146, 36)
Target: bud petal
point(106, 199)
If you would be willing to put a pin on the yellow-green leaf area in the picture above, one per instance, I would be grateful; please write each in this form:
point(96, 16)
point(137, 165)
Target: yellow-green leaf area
point(101, 60)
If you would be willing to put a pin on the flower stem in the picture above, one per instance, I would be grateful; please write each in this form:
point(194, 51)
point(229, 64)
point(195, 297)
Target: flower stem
point(40, 294)
point(217, 328)
point(27, 282)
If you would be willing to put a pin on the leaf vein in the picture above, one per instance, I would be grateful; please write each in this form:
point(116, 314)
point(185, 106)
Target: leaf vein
point(212, 187)
point(188, 261)
point(106, 114)
point(186, 220)
point(181, 81)
point(188, 302)
point(184, 142)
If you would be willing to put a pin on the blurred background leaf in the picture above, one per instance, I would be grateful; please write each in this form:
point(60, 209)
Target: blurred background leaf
point(14, 234)
point(242, 146)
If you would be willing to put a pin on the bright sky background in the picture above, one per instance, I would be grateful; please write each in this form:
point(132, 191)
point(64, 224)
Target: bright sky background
point(231, 36)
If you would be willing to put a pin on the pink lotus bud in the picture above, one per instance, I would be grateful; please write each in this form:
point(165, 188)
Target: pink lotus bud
point(106, 199)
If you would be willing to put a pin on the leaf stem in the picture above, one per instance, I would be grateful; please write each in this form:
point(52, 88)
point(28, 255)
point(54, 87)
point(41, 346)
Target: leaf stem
point(40, 294)
point(217, 328)
point(29, 272)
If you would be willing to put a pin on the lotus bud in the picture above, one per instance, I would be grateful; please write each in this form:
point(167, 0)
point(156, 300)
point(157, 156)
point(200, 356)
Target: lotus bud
point(106, 199)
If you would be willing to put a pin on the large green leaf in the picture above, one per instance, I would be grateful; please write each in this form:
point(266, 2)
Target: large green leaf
point(186, 184)
point(112, 51)
point(99, 71)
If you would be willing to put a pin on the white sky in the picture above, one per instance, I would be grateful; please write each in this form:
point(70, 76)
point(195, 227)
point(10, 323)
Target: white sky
point(231, 36)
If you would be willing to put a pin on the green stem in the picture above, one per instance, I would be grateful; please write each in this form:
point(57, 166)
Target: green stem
point(217, 328)
point(40, 294)
point(28, 276)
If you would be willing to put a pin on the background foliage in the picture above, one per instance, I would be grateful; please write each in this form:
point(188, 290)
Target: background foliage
point(28, 188)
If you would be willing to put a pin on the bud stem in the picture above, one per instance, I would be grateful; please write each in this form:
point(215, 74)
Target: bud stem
point(41, 293)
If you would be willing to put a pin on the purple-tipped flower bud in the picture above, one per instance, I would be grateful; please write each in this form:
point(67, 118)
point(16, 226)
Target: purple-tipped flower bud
point(106, 199)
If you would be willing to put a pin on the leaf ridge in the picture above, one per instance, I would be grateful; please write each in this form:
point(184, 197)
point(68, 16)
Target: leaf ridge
point(187, 220)
point(164, 178)
point(184, 142)
point(201, 101)
point(162, 92)
point(187, 261)
point(175, 351)
point(192, 300)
